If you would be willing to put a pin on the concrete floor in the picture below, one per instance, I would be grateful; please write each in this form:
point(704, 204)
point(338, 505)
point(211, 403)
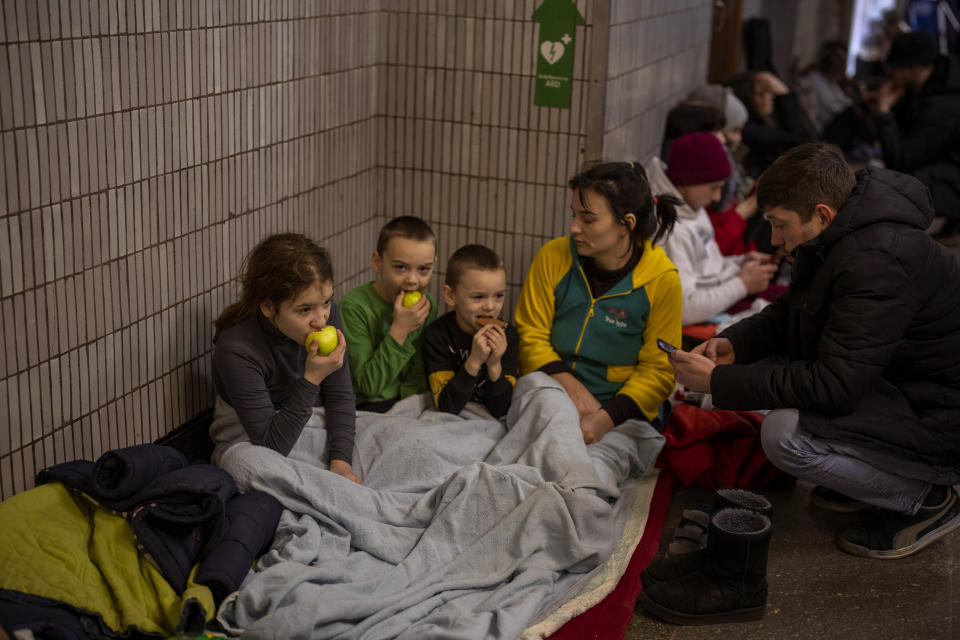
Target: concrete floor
point(818, 591)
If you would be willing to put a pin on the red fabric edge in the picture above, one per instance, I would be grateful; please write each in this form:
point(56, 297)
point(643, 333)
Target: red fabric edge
point(610, 617)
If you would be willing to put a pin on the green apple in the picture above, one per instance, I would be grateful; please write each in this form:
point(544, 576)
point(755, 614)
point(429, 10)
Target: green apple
point(411, 298)
point(326, 339)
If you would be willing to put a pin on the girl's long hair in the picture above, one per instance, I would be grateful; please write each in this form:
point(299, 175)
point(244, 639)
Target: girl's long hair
point(277, 269)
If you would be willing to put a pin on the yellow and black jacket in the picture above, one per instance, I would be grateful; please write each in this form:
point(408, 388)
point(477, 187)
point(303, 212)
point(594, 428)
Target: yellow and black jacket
point(608, 342)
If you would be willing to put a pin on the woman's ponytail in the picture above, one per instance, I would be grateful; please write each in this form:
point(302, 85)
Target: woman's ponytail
point(666, 213)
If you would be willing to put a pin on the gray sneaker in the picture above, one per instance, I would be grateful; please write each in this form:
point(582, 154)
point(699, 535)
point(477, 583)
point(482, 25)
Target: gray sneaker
point(889, 535)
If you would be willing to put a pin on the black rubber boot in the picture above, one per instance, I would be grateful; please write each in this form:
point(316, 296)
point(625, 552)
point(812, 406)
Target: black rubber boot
point(731, 586)
point(674, 566)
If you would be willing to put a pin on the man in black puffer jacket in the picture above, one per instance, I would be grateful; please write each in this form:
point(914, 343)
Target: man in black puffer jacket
point(917, 119)
point(860, 359)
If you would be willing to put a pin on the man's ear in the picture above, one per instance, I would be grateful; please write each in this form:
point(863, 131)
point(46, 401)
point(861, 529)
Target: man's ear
point(267, 309)
point(447, 293)
point(824, 215)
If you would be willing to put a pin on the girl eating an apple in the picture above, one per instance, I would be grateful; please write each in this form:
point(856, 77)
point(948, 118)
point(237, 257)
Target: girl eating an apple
point(279, 352)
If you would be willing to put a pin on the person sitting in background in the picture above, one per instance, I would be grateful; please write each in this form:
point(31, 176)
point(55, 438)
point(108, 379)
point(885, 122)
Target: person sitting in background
point(711, 282)
point(776, 122)
point(691, 116)
point(732, 214)
point(739, 184)
point(917, 117)
point(822, 86)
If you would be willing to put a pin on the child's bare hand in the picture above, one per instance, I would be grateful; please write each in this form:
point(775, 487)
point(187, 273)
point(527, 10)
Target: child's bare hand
point(497, 341)
point(406, 320)
point(319, 367)
point(479, 351)
point(343, 468)
point(748, 208)
point(595, 425)
point(756, 275)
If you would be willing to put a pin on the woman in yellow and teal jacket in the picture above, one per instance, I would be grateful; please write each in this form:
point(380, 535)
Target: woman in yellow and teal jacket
point(594, 303)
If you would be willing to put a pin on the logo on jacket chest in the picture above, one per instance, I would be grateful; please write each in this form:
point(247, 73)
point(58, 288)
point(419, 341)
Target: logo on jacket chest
point(616, 317)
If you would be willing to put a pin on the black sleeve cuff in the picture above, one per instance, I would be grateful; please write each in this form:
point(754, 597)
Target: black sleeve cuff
point(622, 408)
point(552, 368)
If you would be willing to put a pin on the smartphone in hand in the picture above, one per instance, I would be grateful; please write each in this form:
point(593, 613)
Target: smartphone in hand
point(665, 346)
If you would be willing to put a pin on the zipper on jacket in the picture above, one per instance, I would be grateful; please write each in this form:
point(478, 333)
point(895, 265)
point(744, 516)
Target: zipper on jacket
point(593, 301)
point(583, 330)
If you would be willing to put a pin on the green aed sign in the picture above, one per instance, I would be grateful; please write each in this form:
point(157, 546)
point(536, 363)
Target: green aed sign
point(558, 20)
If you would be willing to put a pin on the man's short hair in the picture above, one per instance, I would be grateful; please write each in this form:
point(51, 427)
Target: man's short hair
point(804, 177)
point(409, 227)
point(471, 256)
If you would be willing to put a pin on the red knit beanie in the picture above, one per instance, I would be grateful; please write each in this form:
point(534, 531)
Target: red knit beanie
point(697, 158)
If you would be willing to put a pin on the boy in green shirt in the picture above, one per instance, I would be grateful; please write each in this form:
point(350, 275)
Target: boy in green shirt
point(383, 320)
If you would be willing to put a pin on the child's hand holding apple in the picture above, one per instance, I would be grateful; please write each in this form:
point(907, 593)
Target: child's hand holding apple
point(325, 351)
point(410, 311)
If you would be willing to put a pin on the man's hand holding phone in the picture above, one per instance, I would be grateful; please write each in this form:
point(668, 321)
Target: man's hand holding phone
point(693, 369)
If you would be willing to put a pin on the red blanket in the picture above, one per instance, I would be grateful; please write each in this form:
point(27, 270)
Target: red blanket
point(716, 448)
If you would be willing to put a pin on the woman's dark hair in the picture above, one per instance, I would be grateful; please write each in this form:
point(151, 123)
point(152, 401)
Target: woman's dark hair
point(626, 188)
point(277, 269)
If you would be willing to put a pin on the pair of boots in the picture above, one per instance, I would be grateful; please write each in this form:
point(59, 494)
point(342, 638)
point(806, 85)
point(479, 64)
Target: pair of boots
point(727, 580)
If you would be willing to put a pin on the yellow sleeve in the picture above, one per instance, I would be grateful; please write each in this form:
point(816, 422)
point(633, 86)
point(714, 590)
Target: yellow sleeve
point(535, 308)
point(652, 379)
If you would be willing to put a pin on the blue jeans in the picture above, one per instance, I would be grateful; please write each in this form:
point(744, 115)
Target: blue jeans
point(876, 477)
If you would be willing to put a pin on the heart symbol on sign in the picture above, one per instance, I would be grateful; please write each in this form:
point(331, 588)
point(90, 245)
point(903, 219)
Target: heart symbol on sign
point(551, 51)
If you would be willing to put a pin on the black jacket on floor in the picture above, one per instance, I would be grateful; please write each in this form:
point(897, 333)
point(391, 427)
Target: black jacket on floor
point(181, 514)
point(870, 328)
point(921, 136)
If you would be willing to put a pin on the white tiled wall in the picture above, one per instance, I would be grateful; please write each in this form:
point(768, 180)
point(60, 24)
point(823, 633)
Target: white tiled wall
point(658, 52)
point(148, 145)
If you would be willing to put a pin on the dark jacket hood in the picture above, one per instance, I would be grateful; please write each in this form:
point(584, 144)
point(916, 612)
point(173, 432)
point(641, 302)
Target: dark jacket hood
point(880, 196)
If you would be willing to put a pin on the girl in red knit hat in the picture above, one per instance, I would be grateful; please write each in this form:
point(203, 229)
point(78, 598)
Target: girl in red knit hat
point(695, 171)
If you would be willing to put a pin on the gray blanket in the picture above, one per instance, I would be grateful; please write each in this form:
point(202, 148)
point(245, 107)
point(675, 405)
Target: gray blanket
point(463, 527)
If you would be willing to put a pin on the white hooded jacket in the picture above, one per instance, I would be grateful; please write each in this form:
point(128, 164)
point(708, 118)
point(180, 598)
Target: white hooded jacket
point(709, 279)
